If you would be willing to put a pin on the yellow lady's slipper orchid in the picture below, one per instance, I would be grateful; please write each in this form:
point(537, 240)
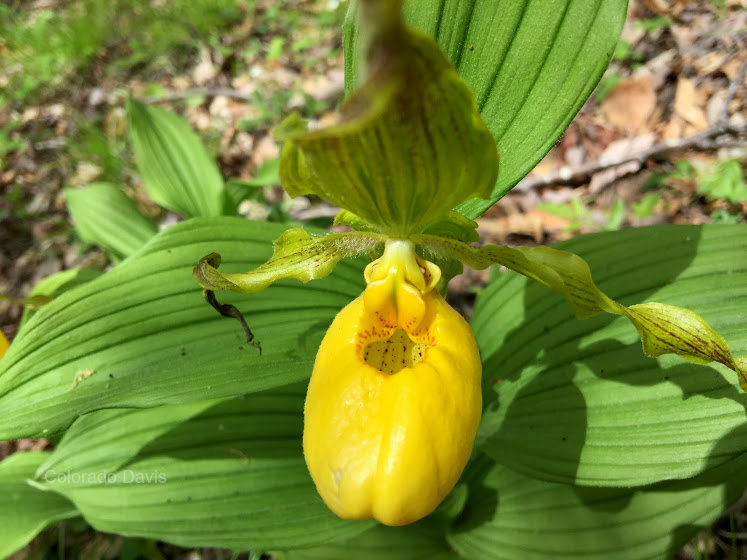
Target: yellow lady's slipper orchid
point(394, 400)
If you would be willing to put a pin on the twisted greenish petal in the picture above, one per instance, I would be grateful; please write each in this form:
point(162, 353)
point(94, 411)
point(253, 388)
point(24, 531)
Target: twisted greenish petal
point(297, 254)
point(664, 329)
point(409, 144)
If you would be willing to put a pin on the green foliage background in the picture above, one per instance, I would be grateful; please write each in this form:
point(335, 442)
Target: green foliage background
point(586, 448)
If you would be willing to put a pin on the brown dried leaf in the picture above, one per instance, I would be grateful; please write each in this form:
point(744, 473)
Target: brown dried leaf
point(631, 103)
point(688, 104)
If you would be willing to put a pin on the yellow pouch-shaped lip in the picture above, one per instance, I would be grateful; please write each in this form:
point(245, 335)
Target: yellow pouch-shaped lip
point(3, 344)
point(392, 445)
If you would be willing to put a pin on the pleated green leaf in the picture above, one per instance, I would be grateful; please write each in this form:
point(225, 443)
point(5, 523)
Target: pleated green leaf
point(142, 335)
point(25, 510)
point(219, 473)
point(105, 216)
point(576, 401)
point(59, 283)
point(411, 542)
point(531, 64)
point(510, 516)
point(175, 168)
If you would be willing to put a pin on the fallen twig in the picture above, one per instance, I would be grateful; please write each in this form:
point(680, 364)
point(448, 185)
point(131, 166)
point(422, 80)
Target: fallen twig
point(197, 92)
point(707, 139)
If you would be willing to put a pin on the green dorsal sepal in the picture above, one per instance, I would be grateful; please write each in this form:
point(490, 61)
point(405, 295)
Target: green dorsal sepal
point(347, 218)
point(452, 225)
point(409, 144)
point(297, 254)
point(664, 329)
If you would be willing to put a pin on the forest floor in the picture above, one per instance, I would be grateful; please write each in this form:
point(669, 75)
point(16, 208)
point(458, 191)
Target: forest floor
point(662, 139)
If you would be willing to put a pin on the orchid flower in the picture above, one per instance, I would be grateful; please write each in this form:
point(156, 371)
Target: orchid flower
point(394, 402)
